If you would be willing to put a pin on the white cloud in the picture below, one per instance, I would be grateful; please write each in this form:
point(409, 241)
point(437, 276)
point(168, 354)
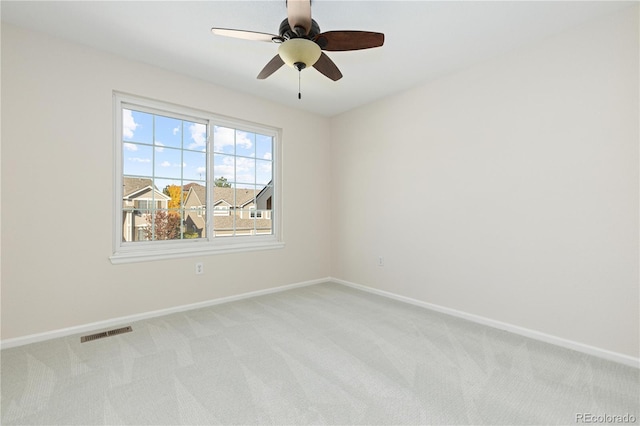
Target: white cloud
point(267, 156)
point(245, 169)
point(201, 169)
point(242, 139)
point(226, 169)
point(176, 130)
point(130, 146)
point(168, 164)
point(139, 160)
point(265, 167)
point(198, 134)
point(129, 125)
point(223, 137)
point(245, 164)
point(159, 146)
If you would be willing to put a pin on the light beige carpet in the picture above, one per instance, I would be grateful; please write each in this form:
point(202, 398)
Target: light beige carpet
point(324, 354)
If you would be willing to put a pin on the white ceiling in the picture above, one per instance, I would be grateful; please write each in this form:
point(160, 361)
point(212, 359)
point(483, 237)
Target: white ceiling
point(423, 39)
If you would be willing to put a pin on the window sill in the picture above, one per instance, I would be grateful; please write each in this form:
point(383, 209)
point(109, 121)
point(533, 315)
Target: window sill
point(148, 254)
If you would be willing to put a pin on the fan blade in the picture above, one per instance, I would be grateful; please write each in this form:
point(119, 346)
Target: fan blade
point(273, 66)
point(299, 15)
point(246, 35)
point(336, 41)
point(326, 66)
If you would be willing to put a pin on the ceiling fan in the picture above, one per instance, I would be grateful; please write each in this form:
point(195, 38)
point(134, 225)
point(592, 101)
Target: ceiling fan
point(302, 43)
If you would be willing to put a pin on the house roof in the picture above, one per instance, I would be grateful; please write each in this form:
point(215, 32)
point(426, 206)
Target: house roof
point(135, 187)
point(221, 223)
point(195, 190)
point(242, 196)
point(132, 185)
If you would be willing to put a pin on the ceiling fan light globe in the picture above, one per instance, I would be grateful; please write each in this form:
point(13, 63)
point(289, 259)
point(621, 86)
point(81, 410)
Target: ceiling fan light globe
point(299, 50)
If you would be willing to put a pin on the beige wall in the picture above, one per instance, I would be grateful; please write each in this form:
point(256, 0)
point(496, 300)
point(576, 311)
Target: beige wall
point(508, 190)
point(57, 142)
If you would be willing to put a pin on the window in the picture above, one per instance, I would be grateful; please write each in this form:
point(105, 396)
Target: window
point(221, 210)
point(256, 213)
point(174, 165)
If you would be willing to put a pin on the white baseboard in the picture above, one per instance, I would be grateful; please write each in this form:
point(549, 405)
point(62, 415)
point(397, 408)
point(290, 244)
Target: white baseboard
point(99, 325)
point(533, 334)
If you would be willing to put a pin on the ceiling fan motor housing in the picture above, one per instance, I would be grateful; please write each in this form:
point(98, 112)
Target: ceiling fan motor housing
point(287, 33)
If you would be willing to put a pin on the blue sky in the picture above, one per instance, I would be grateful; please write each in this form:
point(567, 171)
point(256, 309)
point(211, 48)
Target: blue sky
point(168, 148)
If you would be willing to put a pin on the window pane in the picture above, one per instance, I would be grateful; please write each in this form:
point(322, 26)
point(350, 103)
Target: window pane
point(245, 170)
point(245, 197)
point(224, 167)
point(195, 165)
point(195, 215)
point(168, 162)
point(264, 199)
point(264, 147)
point(168, 132)
point(264, 225)
point(263, 172)
point(245, 223)
point(223, 226)
point(245, 214)
point(195, 137)
point(163, 225)
point(225, 199)
point(129, 222)
point(137, 159)
point(137, 126)
point(223, 140)
point(172, 190)
point(245, 144)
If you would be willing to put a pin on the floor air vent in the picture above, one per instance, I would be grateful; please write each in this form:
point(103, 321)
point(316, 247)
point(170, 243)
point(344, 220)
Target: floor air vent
point(105, 334)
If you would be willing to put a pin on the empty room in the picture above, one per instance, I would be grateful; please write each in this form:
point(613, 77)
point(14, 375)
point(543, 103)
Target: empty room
point(320, 212)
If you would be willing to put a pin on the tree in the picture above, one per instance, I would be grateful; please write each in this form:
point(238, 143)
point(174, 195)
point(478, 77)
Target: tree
point(167, 226)
point(175, 192)
point(222, 182)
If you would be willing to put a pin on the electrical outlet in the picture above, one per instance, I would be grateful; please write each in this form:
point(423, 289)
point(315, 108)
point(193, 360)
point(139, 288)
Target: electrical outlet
point(380, 261)
point(199, 268)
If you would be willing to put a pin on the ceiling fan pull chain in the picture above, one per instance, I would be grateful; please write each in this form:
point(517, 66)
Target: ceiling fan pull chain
point(299, 94)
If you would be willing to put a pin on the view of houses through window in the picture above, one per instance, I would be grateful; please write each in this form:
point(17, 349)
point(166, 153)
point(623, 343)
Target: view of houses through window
point(179, 182)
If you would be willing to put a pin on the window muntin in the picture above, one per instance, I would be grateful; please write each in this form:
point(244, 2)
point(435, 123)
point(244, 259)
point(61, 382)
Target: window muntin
point(189, 176)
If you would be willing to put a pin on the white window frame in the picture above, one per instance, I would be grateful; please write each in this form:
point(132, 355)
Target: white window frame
point(139, 251)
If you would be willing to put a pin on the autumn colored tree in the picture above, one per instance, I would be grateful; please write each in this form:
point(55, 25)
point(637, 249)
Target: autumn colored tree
point(175, 192)
point(166, 226)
